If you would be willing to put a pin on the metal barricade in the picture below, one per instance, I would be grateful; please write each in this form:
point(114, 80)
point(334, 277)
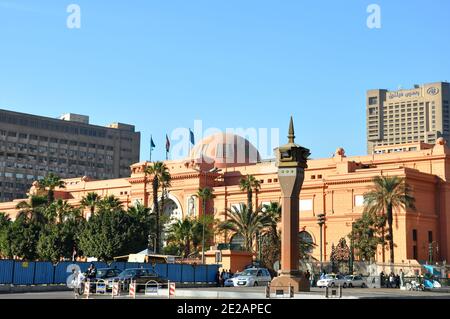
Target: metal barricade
point(100, 287)
point(152, 288)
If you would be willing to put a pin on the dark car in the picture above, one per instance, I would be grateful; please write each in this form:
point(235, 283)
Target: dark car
point(140, 275)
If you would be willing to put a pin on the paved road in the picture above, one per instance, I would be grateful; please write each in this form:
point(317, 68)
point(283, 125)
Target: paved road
point(316, 292)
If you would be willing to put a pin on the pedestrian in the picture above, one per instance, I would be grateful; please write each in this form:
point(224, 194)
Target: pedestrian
point(311, 280)
point(218, 278)
point(391, 280)
point(397, 281)
point(402, 278)
point(307, 274)
point(382, 279)
point(222, 278)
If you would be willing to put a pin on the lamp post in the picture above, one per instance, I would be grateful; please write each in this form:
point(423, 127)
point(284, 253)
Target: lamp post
point(352, 251)
point(321, 222)
point(291, 162)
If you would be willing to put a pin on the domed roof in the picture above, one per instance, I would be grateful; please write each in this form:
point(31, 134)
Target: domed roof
point(225, 150)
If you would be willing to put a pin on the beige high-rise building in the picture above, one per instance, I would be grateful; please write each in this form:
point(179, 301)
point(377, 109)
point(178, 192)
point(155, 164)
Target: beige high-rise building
point(407, 116)
point(32, 146)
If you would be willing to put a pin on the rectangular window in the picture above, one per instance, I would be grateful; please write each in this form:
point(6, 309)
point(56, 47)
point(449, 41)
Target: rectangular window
point(373, 100)
point(415, 252)
point(306, 205)
point(430, 236)
point(359, 200)
point(414, 234)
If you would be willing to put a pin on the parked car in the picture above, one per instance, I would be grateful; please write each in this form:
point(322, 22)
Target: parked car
point(331, 281)
point(140, 275)
point(253, 277)
point(230, 282)
point(354, 281)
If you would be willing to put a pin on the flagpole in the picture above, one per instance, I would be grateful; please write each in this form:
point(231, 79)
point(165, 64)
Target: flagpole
point(189, 143)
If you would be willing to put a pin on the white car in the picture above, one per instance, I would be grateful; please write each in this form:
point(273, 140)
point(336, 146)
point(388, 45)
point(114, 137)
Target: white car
point(230, 282)
point(331, 281)
point(253, 277)
point(354, 281)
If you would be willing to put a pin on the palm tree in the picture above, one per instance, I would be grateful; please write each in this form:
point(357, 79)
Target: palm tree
point(91, 200)
point(273, 213)
point(4, 220)
point(249, 184)
point(52, 181)
point(245, 222)
point(161, 179)
point(110, 203)
point(33, 209)
point(205, 194)
point(181, 233)
point(58, 211)
point(389, 194)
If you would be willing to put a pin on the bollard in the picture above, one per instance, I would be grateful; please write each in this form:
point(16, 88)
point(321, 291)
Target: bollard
point(115, 289)
point(87, 288)
point(171, 288)
point(132, 290)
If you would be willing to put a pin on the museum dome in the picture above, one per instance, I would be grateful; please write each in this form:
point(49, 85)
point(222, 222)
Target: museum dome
point(225, 150)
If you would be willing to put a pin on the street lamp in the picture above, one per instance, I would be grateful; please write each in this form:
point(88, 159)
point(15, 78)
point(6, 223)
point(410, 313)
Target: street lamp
point(321, 221)
point(352, 251)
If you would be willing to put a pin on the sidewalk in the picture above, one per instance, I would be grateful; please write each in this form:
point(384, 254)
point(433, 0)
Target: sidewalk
point(9, 289)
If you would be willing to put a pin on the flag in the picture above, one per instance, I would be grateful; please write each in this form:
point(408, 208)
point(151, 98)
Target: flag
point(192, 137)
point(152, 144)
point(167, 144)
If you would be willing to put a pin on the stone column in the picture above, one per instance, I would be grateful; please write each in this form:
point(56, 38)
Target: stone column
point(291, 162)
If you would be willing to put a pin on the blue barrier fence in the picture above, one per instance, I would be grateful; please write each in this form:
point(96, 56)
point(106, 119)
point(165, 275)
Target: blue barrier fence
point(45, 273)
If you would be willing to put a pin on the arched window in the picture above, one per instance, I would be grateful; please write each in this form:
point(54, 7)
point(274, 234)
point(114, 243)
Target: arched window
point(237, 242)
point(307, 240)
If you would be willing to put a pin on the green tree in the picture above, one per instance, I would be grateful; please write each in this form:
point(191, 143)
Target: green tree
point(20, 239)
point(180, 233)
point(51, 182)
point(58, 211)
point(161, 180)
point(389, 194)
point(187, 234)
point(33, 209)
point(91, 201)
point(57, 241)
point(249, 184)
point(110, 202)
point(110, 233)
point(366, 235)
point(240, 220)
point(5, 221)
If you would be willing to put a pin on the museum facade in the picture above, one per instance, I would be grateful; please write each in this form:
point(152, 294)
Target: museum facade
point(333, 186)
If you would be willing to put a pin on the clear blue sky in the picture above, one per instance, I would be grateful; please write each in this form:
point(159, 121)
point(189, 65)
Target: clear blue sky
point(237, 63)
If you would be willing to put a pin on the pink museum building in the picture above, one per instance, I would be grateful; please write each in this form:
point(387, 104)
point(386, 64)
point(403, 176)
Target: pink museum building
point(334, 186)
